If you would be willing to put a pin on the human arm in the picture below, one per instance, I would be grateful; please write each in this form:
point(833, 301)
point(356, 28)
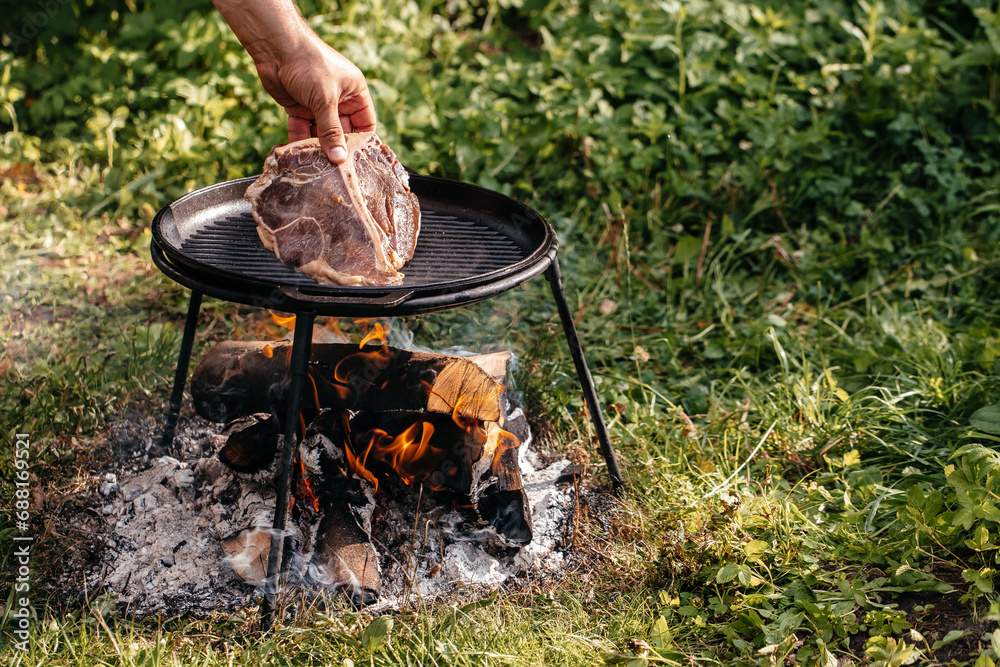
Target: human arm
point(307, 77)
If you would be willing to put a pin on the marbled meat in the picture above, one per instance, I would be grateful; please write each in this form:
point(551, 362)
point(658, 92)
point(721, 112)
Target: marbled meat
point(350, 224)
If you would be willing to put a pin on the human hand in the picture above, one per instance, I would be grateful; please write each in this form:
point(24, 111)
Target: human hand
point(324, 94)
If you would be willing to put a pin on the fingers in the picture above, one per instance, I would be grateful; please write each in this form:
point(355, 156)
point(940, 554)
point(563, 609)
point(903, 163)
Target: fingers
point(364, 120)
point(331, 133)
point(298, 128)
point(359, 107)
point(321, 85)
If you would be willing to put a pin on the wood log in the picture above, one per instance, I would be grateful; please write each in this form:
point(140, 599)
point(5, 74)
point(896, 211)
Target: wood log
point(424, 418)
point(251, 443)
point(343, 557)
point(236, 379)
point(478, 460)
point(246, 552)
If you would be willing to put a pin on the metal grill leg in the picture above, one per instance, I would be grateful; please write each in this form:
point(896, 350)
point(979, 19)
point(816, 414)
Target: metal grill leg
point(301, 348)
point(554, 277)
point(180, 375)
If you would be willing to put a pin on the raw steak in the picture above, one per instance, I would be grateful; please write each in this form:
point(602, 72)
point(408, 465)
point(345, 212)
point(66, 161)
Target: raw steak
point(352, 224)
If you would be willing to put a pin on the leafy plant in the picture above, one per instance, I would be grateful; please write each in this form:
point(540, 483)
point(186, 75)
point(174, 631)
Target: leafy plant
point(778, 232)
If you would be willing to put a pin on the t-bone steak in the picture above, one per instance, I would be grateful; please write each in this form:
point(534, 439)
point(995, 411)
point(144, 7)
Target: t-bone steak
point(350, 224)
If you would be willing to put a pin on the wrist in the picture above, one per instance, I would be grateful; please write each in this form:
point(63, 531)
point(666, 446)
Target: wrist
point(271, 31)
point(282, 45)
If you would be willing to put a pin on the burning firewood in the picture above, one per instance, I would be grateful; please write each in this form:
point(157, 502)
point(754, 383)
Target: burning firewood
point(373, 415)
point(237, 379)
point(477, 459)
point(333, 509)
point(472, 458)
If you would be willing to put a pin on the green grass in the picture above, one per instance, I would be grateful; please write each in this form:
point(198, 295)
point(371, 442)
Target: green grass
point(521, 630)
point(775, 220)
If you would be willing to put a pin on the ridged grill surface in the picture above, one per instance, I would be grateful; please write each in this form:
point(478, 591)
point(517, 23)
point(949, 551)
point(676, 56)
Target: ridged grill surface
point(448, 249)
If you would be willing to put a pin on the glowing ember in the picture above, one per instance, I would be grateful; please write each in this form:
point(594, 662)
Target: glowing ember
point(268, 351)
point(306, 492)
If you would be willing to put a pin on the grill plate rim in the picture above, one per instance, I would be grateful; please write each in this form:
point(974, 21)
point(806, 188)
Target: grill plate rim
point(493, 212)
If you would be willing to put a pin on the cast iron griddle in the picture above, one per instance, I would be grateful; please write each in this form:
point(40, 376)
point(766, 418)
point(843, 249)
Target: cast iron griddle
point(473, 243)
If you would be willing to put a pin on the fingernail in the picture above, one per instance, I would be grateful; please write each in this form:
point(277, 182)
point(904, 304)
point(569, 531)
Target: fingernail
point(338, 154)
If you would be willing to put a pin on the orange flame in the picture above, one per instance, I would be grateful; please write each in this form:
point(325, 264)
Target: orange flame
point(376, 334)
point(306, 488)
point(357, 468)
point(406, 453)
point(410, 454)
point(406, 449)
point(315, 390)
point(378, 358)
point(268, 351)
point(343, 393)
point(462, 421)
point(348, 365)
point(274, 327)
point(505, 442)
point(286, 321)
point(333, 326)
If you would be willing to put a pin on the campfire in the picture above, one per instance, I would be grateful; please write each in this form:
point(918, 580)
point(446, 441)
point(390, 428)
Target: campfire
point(406, 481)
point(372, 414)
point(363, 421)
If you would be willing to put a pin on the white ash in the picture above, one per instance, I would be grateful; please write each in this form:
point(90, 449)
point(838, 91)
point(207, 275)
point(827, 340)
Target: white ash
point(465, 563)
point(550, 510)
point(160, 552)
point(165, 523)
point(477, 558)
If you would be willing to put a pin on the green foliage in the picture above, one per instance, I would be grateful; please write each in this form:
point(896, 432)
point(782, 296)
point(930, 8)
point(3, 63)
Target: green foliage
point(778, 226)
point(376, 634)
point(890, 653)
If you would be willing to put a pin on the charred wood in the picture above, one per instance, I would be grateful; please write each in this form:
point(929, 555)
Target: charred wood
point(374, 415)
point(251, 443)
point(236, 379)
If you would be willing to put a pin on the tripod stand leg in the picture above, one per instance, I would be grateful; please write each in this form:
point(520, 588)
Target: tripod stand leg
point(180, 375)
point(554, 277)
point(301, 348)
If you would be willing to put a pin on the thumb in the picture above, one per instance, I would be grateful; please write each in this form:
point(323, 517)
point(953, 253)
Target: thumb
point(331, 134)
